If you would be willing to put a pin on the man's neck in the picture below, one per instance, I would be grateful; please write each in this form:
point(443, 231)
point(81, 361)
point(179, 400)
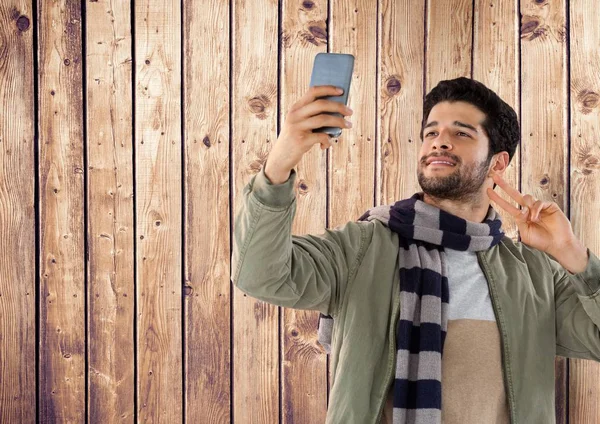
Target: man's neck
point(474, 209)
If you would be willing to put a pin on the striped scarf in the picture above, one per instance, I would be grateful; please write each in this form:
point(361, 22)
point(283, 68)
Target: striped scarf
point(425, 231)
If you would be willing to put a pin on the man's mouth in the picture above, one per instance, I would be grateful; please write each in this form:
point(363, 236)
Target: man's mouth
point(441, 160)
point(436, 163)
point(440, 163)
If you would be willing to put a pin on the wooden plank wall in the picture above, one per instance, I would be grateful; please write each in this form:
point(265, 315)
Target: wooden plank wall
point(129, 130)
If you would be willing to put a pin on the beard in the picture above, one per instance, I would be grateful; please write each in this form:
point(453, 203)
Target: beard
point(462, 184)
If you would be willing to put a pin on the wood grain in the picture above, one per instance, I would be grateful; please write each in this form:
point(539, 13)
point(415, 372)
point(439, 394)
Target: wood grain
point(254, 124)
point(17, 215)
point(62, 218)
point(400, 94)
point(584, 90)
point(111, 291)
point(158, 182)
point(544, 126)
point(304, 363)
point(233, 358)
point(496, 64)
point(207, 367)
point(449, 41)
point(352, 159)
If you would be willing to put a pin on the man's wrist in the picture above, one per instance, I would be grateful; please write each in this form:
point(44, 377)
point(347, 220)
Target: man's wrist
point(573, 257)
point(277, 177)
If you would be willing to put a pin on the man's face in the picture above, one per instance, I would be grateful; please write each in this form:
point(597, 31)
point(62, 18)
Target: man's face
point(453, 132)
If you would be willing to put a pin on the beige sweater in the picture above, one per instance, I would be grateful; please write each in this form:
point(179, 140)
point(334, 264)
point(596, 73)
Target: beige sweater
point(472, 385)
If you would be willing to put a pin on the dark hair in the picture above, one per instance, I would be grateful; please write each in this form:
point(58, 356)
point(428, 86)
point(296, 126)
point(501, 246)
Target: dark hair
point(501, 125)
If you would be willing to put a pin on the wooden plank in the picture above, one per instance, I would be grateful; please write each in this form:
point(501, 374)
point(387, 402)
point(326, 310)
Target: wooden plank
point(544, 126)
point(62, 318)
point(17, 215)
point(158, 210)
point(304, 366)
point(584, 389)
point(352, 159)
point(496, 64)
point(449, 41)
point(254, 125)
point(110, 193)
point(400, 88)
point(207, 284)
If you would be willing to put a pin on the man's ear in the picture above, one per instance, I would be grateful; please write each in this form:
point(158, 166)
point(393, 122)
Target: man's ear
point(500, 163)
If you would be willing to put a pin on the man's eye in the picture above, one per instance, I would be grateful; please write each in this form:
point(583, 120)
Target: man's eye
point(460, 132)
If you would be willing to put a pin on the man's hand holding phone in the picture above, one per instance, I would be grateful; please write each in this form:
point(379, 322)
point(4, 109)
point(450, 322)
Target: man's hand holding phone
point(297, 137)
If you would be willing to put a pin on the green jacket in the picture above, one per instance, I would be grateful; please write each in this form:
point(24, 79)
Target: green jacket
point(352, 274)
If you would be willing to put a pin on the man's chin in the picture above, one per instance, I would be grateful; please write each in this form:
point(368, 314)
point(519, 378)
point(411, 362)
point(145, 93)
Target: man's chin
point(439, 187)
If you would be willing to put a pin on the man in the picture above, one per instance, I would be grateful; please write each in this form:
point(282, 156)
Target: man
point(430, 283)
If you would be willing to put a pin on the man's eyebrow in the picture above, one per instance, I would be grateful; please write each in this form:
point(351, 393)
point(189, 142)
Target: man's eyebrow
point(455, 123)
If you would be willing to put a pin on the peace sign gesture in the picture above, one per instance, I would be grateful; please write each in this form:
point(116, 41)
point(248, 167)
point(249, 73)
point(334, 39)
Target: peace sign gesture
point(542, 225)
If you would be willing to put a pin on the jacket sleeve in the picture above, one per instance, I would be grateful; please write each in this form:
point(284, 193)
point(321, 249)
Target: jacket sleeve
point(577, 302)
point(299, 272)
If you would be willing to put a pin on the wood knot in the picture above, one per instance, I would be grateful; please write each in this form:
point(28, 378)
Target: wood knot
point(545, 180)
point(588, 100)
point(532, 29)
point(258, 105)
point(393, 85)
point(386, 150)
point(23, 23)
point(589, 163)
point(302, 187)
point(307, 4)
point(187, 290)
point(206, 141)
point(316, 34)
point(294, 333)
point(592, 162)
point(67, 62)
point(258, 163)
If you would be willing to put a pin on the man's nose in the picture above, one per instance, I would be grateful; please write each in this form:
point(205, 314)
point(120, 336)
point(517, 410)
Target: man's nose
point(442, 141)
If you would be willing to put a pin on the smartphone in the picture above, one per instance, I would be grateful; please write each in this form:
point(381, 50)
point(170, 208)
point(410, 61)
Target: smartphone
point(333, 69)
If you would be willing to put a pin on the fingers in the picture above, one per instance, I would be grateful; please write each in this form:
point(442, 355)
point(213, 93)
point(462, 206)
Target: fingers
point(536, 208)
point(324, 140)
point(314, 93)
point(318, 107)
point(531, 210)
point(323, 120)
point(512, 192)
point(507, 206)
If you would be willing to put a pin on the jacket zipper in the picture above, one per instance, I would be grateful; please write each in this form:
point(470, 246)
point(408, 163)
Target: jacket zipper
point(500, 321)
point(389, 374)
